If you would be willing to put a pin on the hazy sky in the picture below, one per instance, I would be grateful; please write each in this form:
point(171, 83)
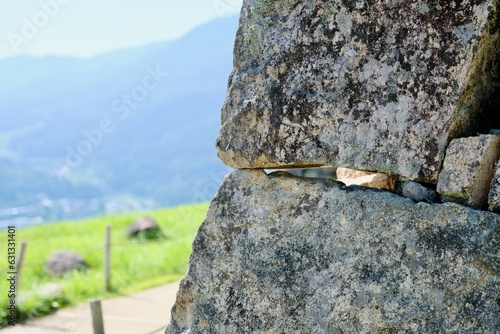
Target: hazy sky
point(87, 27)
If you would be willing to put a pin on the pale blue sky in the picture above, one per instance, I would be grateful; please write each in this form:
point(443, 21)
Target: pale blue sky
point(85, 28)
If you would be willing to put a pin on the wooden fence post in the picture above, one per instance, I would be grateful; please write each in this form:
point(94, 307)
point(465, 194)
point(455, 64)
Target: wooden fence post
point(107, 260)
point(97, 318)
point(19, 267)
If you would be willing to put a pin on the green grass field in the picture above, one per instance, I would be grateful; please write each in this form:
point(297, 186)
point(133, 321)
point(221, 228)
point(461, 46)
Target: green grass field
point(135, 264)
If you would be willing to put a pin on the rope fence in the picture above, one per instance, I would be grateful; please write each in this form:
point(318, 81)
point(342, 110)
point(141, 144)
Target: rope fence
point(83, 252)
point(96, 310)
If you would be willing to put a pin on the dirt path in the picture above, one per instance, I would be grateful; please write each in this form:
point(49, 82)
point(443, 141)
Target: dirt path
point(145, 312)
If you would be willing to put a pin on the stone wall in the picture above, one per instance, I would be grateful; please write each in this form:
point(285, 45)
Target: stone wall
point(372, 85)
point(400, 89)
point(284, 254)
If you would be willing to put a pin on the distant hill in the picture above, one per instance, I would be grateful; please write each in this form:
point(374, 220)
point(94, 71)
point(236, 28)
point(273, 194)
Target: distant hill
point(127, 130)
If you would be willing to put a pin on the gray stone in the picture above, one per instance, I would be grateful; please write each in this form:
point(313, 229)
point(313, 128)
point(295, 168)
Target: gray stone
point(468, 169)
point(494, 194)
point(283, 254)
point(381, 86)
point(145, 226)
point(62, 262)
point(419, 193)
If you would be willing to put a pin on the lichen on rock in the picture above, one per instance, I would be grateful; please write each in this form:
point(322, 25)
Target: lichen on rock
point(468, 170)
point(284, 254)
point(494, 193)
point(380, 86)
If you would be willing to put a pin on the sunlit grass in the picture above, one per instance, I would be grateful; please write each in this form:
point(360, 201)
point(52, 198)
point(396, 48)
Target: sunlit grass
point(135, 265)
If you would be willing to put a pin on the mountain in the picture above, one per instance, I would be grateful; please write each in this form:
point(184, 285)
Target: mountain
point(127, 130)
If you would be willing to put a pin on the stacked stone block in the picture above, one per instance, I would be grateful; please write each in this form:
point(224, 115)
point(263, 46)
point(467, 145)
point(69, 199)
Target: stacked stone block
point(494, 194)
point(391, 87)
point(377, 86)
point(468, 170)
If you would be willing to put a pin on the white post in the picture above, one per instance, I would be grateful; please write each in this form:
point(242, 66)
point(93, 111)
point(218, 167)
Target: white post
point(97, 318)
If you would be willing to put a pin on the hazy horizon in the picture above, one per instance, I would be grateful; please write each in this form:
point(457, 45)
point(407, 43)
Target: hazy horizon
point(129, 131)
point(86, 29)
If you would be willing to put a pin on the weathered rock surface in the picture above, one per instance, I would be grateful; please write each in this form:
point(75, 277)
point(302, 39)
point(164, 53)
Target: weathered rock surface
point(419, 193)
point(62, 262)
point(381, 86)
point(468, 169)
point(494, 195)
point(282, 254)
point(366, 179)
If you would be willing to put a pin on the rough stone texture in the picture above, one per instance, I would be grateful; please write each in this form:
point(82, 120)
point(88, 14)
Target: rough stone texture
point(419, 193)
point(62, 262)
point(381, 86)
point(468, 169)
point(349, 173)
point(494, 195)
point(282, 254)
point(373, 180)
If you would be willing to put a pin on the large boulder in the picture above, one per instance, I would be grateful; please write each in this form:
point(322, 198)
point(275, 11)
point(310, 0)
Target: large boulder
point(144, 227)
point(372, 85)
point(62, 262)
point(284, 254)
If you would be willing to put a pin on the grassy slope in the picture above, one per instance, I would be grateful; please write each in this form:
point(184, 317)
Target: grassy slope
point(135, 265)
